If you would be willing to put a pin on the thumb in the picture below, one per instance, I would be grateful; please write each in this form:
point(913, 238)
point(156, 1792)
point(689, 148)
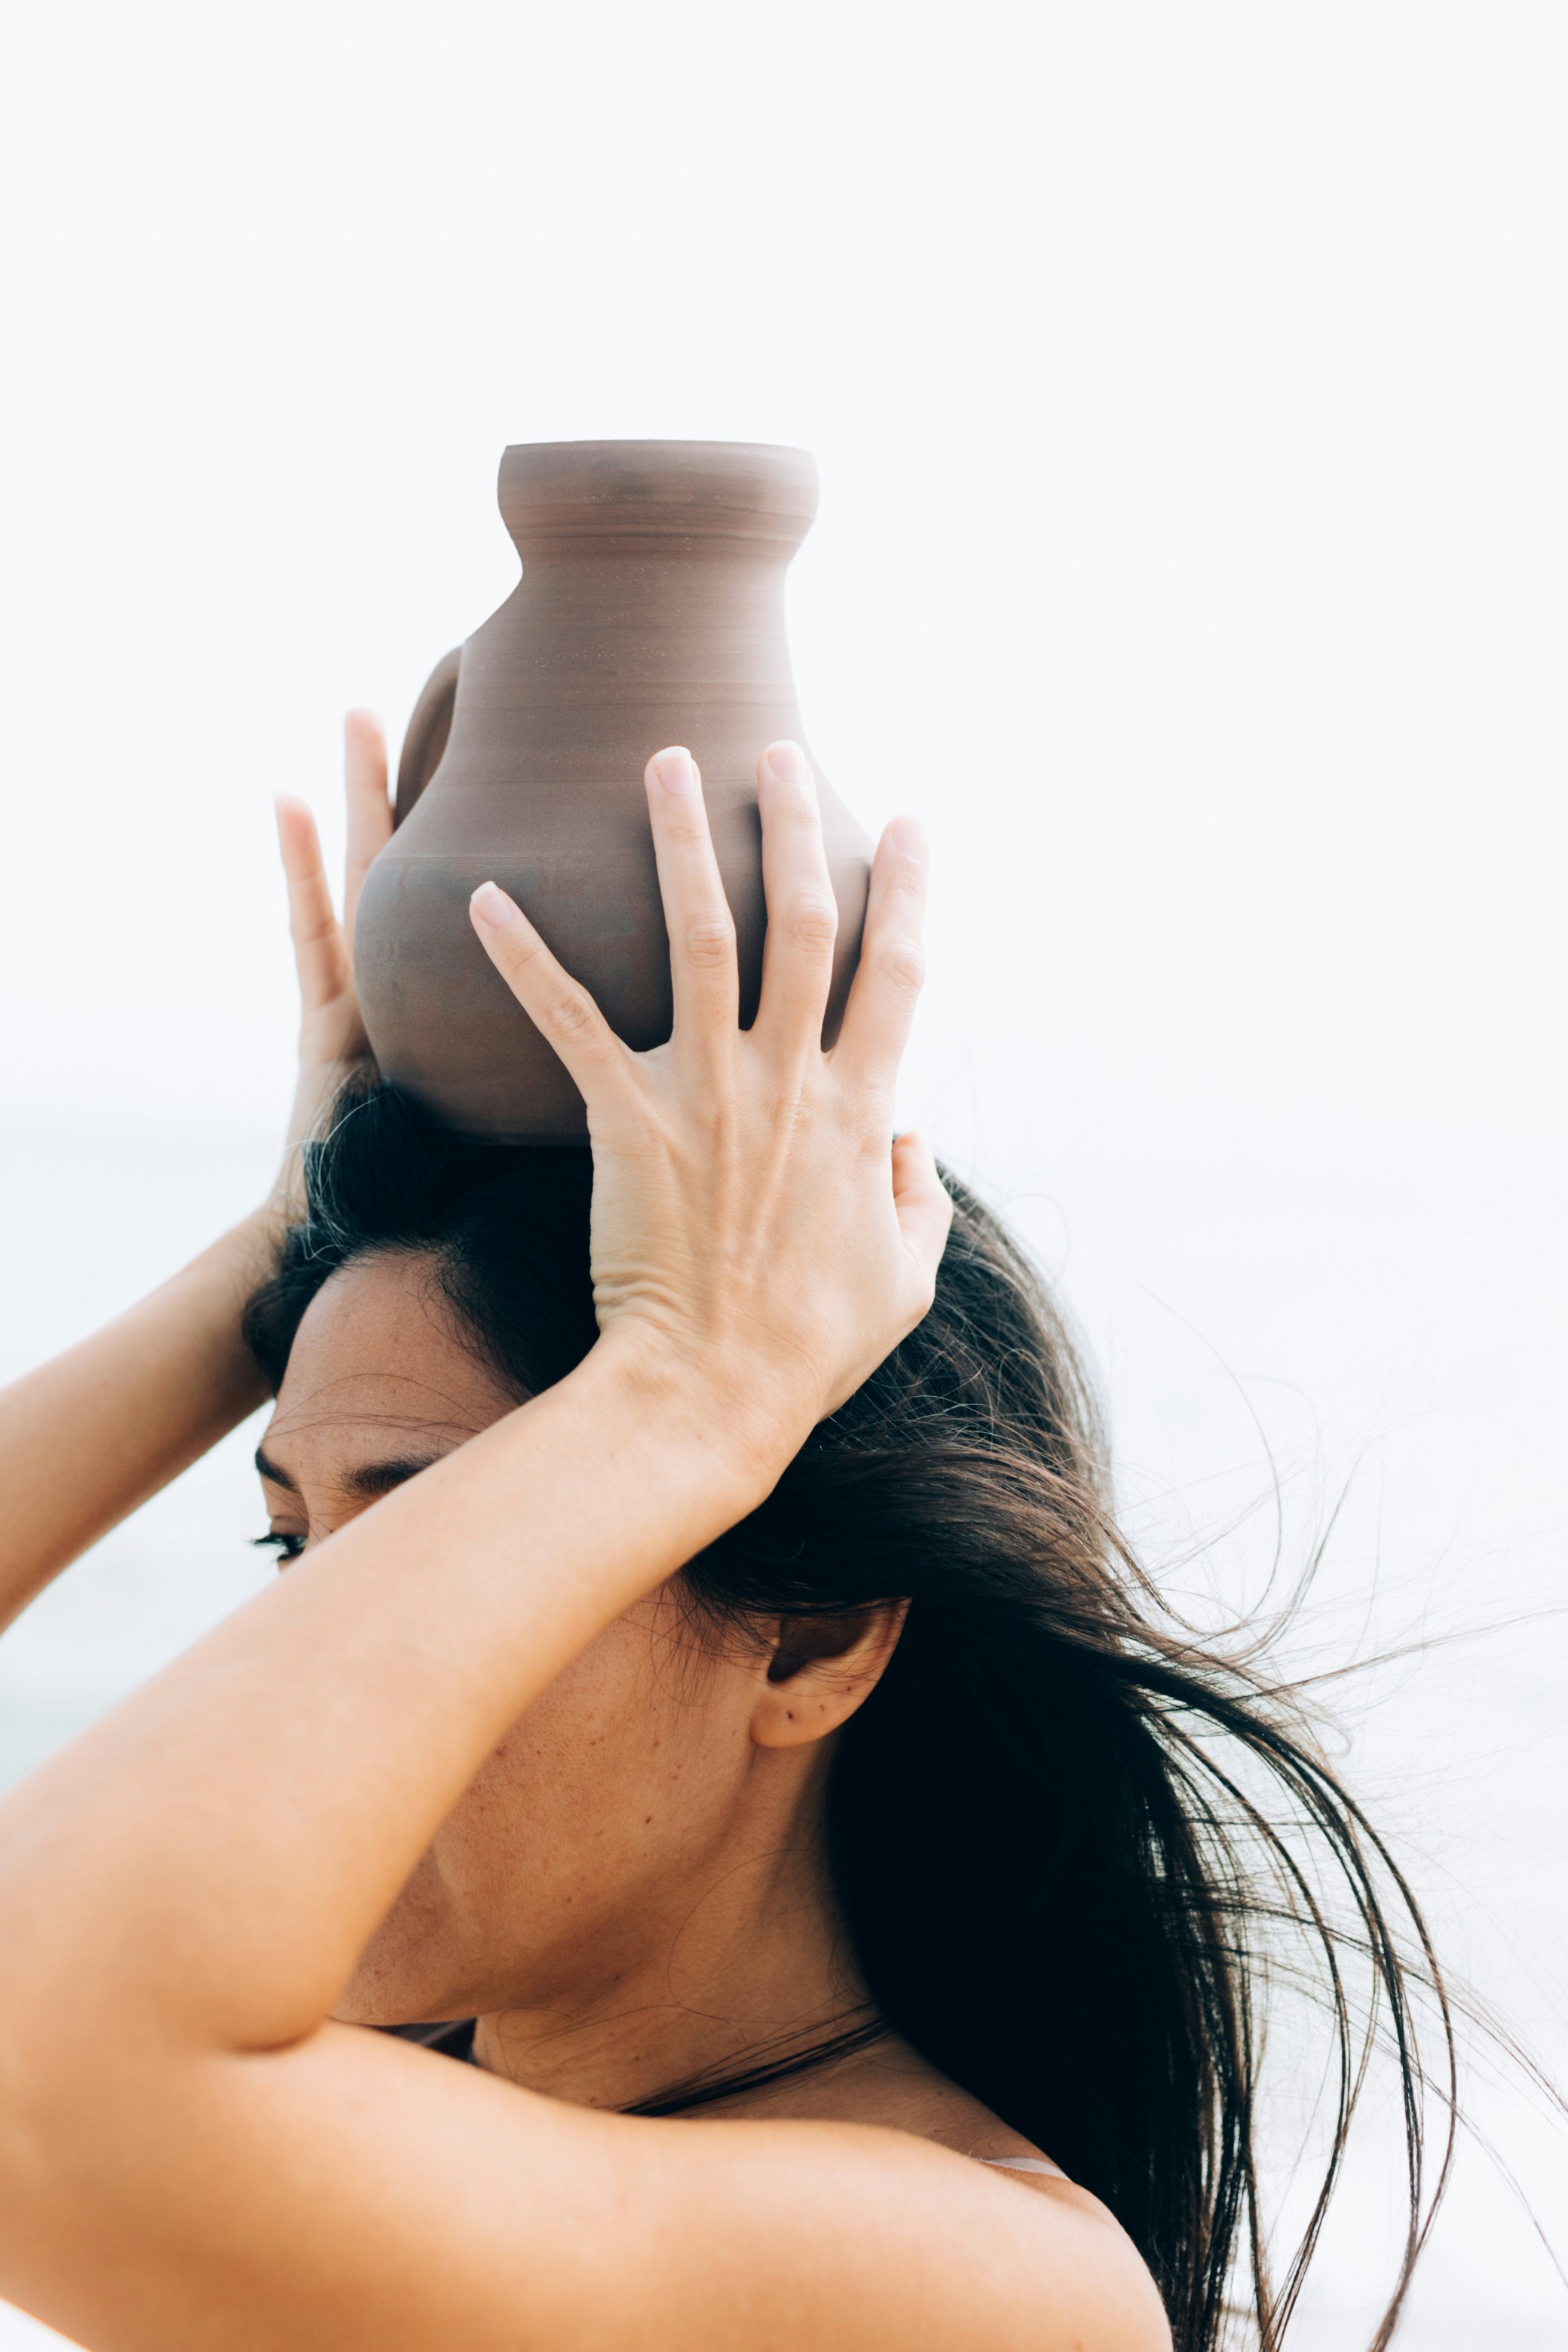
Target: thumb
point(923, 1205)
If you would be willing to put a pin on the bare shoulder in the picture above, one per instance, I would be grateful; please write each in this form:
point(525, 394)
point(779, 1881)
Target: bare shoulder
point(568, 2228)
point(1026, 2257)
point(1122, 2308)
point(877, 2236)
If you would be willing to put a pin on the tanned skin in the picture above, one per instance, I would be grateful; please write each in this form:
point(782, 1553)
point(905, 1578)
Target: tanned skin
point(469, 1751)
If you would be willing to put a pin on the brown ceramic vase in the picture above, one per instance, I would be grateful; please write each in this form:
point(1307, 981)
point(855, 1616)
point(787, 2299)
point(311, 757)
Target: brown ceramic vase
point(650, 611)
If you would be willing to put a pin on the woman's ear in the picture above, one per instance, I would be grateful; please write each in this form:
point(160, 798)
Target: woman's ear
point(822, 1668)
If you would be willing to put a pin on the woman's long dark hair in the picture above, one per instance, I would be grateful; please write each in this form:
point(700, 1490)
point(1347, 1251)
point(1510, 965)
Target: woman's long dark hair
point(1070, 1841)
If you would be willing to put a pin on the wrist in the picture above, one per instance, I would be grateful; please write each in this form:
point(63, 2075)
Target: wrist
point(252, 1247)
point(738, 1429)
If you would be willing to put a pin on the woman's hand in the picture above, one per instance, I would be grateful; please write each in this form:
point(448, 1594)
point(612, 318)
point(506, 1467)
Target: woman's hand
point(754, 1220)
point(332, 1041)
point(85, 1439)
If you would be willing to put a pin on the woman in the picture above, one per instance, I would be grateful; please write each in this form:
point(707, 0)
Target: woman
point(712, 1703)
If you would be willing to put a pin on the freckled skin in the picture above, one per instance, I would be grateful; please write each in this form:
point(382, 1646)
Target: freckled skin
point(633, 1887)
point(557, 1893)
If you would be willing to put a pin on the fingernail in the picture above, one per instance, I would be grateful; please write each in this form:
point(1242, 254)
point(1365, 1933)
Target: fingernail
point(787, 761)
point(907, 836)
point(492, 907)
point(675, 769)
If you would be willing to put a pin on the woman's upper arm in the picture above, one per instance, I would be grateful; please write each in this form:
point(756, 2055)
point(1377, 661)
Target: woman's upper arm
point(354, 2192)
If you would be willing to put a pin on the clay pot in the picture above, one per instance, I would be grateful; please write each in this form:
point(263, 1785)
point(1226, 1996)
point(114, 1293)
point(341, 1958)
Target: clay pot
point(650, 611)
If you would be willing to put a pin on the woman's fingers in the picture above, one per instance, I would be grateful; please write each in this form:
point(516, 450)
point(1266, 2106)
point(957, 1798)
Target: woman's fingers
point(369, 809)
point(702, 968)
point(924, 1206)
point(561, 1009)
point(803, 915)
point(892, 961)
point(320, 951)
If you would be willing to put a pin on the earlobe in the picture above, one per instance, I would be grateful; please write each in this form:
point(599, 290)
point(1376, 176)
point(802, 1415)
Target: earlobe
point(822, 1669)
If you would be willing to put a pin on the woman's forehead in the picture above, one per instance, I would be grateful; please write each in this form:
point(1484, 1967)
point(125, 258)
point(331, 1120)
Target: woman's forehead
point(379, 1351)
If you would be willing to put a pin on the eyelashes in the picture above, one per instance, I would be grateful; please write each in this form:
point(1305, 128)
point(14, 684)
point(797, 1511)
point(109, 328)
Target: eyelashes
point(287, 1547)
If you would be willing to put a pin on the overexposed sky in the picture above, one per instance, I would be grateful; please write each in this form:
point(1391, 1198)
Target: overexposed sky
point(1188, 385)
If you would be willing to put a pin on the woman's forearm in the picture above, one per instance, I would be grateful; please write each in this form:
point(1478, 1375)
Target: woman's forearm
point(88, 1436)
point(208, 1864)
point(93, 1433)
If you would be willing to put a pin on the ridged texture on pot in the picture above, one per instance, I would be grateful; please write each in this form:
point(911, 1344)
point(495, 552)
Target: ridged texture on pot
point(650, 611)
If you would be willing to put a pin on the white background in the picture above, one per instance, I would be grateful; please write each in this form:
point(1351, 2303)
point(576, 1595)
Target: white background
point(1187, 383)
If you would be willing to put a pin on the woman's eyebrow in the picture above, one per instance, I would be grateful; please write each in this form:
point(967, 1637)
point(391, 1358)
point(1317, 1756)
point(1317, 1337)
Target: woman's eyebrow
point(374, 1478)
point(368, 1482)
point(269, 1470)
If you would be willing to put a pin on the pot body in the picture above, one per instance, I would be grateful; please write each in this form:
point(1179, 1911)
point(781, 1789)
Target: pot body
point(650, 611)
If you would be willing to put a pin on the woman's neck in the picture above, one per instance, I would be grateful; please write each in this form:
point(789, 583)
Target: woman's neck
point(753, 1968)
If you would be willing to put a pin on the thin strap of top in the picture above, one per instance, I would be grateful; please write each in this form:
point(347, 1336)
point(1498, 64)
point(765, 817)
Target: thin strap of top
point(1025, 2164)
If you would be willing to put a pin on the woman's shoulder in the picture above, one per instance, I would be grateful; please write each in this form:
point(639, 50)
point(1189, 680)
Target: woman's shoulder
point(872, 2201)
point(926, 2242)
point(923, 2164)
